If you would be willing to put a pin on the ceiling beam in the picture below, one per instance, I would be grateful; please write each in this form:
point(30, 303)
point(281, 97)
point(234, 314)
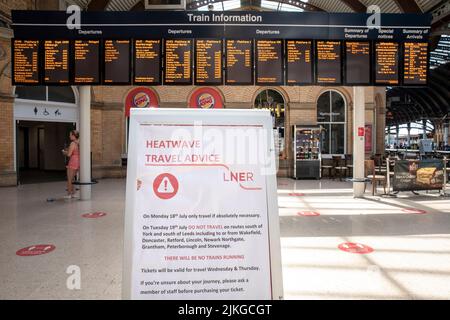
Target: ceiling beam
point(355, 5)
point(97, 5)
point(140, 6)
point(408, 6)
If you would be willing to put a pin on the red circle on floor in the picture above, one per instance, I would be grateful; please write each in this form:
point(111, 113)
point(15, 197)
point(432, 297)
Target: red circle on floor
point(308, 213)
point(355, 248)
point(94, 215)
point(296, 194)
point(36, 250)
point(415, 211)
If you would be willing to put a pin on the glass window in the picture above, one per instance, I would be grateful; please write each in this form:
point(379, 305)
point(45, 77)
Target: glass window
point(331, 114)
point(61, 94)
point(31, 93)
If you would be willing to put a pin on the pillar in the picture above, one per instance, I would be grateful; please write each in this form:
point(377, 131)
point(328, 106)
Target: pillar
point(409, 135)
point(446, 133)
point(358, 144)
point(424, 127)
point(397, 135)
point(85, 142)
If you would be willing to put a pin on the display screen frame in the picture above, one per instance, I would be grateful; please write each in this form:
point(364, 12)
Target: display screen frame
point(191, 67)
point(286, 64)
point(151, 83)
point(252, 62)
point(371, 66)
point(39, 64)
point(399, 68)
point(316, 64)
point(403, 60)
point(223, 67)
point(100, 64)
point(282, 53)
point(130, 63)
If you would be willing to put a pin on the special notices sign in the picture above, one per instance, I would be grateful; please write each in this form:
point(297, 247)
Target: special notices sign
point(201, 200)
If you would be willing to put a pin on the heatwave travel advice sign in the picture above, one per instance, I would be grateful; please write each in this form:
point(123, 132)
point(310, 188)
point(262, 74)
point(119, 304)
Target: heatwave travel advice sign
point(201, 216)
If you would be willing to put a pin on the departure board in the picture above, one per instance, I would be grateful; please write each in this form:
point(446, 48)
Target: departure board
point(25, 62)
point(269, 62)
point(239, 62)
point(329, 62)
point(117, 62)
point(178, 61)
point(386, 63)
point(147, 62)
point(87, 62)
point(299, 64)
point(56, 62)
point(415, 63)
point(208, 62)
point(357, 62)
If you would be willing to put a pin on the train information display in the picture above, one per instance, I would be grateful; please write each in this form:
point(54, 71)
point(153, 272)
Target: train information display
point(386, 63)
point(208, 62)
point(269, 62)
point(178, 61)
point(239, 62)
point(87, 62)
point(117, 62)
point(357, 63)
point(56, 62)
point(329, 62)
point(25, 62)
point(299, 63)
point(415, 63)
point(147, 62)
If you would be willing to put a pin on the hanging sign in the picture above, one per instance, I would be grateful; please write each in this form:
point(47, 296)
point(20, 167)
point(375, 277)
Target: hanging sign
point(206, 98)
point(201, 220)
point(140, 97)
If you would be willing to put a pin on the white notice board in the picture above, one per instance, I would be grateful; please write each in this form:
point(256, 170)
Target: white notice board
point(201, 217)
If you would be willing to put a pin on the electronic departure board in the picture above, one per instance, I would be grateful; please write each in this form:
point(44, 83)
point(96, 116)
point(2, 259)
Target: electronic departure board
point(329, 62)
point(25, 62)
point(87, 62)
point(239, 62)
point(386, 63)
point(117, 62)
point(178, 62)
point(357, 63)
point(147, 62)
point(56, 62)
point(415, 63)
point(208, 62)
point(269, 62)
point(299, 64)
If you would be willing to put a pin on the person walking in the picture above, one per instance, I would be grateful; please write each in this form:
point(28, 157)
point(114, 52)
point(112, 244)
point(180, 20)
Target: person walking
point(73, 152)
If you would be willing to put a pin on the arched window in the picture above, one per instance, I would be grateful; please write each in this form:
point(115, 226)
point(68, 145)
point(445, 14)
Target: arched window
point(272, 100)
point(332, 116)
point(49, 94)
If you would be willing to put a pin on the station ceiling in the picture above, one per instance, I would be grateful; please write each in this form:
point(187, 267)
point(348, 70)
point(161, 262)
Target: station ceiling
point(403, 104)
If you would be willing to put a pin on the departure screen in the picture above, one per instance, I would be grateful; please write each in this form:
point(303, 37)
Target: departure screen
point(329, 61)
point(415, 63)
point(269, 62)
point(239, 62)
point(299, 62)
point(357, 62)
point(178, 61)
point(117, 62)
point(26, 61)
point(87, 62)
point(147, 62)
point(56, 62)
point(208, 62)
point(386, 63)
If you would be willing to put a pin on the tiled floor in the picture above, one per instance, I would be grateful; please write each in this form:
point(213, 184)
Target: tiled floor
point(411, 257)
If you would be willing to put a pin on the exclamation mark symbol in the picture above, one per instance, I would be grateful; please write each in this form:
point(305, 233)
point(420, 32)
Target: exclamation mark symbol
point(165, 185)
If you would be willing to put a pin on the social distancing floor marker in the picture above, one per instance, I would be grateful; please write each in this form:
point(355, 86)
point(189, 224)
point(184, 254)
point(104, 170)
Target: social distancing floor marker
point(296, 194)
point(308, 213)
point(35, 250)
point(94, 215)
point(353, 247)
point(415, 211)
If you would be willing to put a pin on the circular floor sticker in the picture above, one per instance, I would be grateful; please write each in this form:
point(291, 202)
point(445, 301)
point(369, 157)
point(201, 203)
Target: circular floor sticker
point(36, 250)
point(308, 213)
point(413, 210)
point(94, 215)
point(296, 194)
point(355, 248)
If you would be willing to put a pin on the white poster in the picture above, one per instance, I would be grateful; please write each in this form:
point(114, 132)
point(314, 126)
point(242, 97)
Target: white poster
point(201, 204)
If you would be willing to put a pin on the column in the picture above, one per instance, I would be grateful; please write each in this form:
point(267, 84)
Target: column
point(446, 133)
point(424, 127)
point(85, 142)
point(397, 134)
point(409, 135)
point(358, 143)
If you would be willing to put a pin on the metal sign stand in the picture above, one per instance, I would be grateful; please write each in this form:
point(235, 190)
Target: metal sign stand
point(388, 178)
point(443, 194)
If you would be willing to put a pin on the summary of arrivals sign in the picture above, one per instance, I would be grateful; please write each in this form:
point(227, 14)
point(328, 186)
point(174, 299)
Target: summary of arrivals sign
point(201, 217)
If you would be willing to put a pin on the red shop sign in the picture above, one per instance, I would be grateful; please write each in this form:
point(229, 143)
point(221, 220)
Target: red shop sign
point(140, 97)
point(206, 98)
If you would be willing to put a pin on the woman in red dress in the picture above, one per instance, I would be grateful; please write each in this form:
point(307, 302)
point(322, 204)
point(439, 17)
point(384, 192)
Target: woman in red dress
point(74, 162)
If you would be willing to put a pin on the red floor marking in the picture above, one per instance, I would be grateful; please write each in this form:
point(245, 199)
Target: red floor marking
point(415, 211)
point(35, 250)
point(296, 194)
point(355, 248)
point(94, 215)
point(308, 213)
